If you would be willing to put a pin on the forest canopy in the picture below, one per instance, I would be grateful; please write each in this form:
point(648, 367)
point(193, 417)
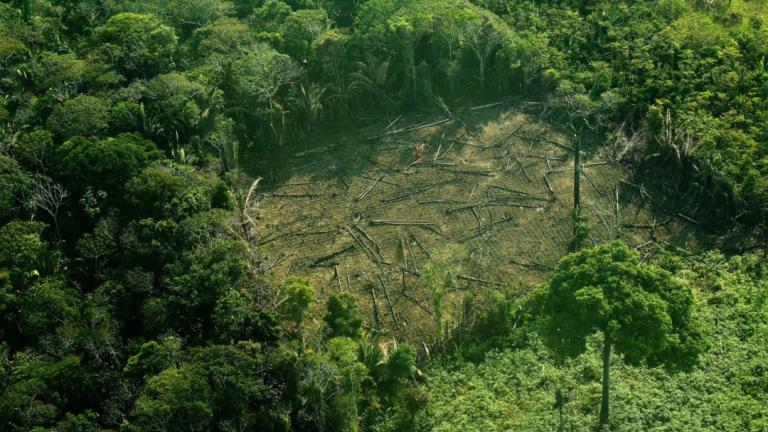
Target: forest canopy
point(135, 293)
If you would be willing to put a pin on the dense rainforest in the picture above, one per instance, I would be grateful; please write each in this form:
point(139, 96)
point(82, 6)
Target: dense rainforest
point(140, 288)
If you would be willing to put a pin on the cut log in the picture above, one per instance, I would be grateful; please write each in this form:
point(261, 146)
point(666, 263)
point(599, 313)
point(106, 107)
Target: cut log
point(401, 222)
point(438, 201)
point(313, 151)
point(410, 128)
point(482, 281)
point(549, 186)
point(417, 191)
point(389, 302)
point(332, 255)
point(373, 185)
point(421, 246)
point(479, 172)
point(392, 123)
point(522, 194)
point(479, 107)
point(370, 239)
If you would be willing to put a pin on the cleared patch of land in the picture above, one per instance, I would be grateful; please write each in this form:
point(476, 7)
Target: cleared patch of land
point(491, 192)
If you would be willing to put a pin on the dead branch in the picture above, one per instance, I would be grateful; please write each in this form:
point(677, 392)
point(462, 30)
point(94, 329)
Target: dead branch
point(594, 186)
point(482, 229)
point(410, 254)
point(642, 226)
point(337, 276)
point(371, 255)
point(535, 156)
point(439, 201)
point(381, 180)
point(376, 318)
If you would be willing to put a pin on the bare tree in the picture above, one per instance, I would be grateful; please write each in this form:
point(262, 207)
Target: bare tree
point(271, 74)
point(263, 74)
point(49, 197)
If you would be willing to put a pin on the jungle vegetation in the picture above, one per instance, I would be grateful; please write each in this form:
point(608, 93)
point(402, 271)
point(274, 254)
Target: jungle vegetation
point(134, 295)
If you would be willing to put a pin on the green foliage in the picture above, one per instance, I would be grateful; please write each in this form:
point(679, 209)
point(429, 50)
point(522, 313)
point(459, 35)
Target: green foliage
point(15, 184)
point(343, 317)
point(151, 310)
point(137, 45)
point(175, 399)
point(154, 357)
point(107, 163)
point(301, 29)
point(79, 116)
point(222, 38)
point(173, 192)
point(34, 150)
point(644, 310)
point(23, 252)
point(237, 316)
point(195, 282)
point(299, 295)
point(47, 307)
point(514, 389)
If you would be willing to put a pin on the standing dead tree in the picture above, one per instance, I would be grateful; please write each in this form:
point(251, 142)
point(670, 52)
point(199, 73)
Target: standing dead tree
point(50, 197)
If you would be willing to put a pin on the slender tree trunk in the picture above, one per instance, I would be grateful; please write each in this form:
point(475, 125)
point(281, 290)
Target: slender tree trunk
point(26, 10)
point(606, 380)
point(577, 175)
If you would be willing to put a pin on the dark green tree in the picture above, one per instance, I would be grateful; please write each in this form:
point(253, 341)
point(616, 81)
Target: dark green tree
point(642, 311)
point(82, 115)
point(343, 316)
point(103, 163)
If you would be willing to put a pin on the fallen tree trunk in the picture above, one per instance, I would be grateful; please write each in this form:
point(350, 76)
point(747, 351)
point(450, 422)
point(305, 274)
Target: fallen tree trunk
point(402, 222)
point(331, 255)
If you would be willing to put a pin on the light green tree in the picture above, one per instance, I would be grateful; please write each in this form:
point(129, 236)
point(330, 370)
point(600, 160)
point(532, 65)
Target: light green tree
point(642, 311)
